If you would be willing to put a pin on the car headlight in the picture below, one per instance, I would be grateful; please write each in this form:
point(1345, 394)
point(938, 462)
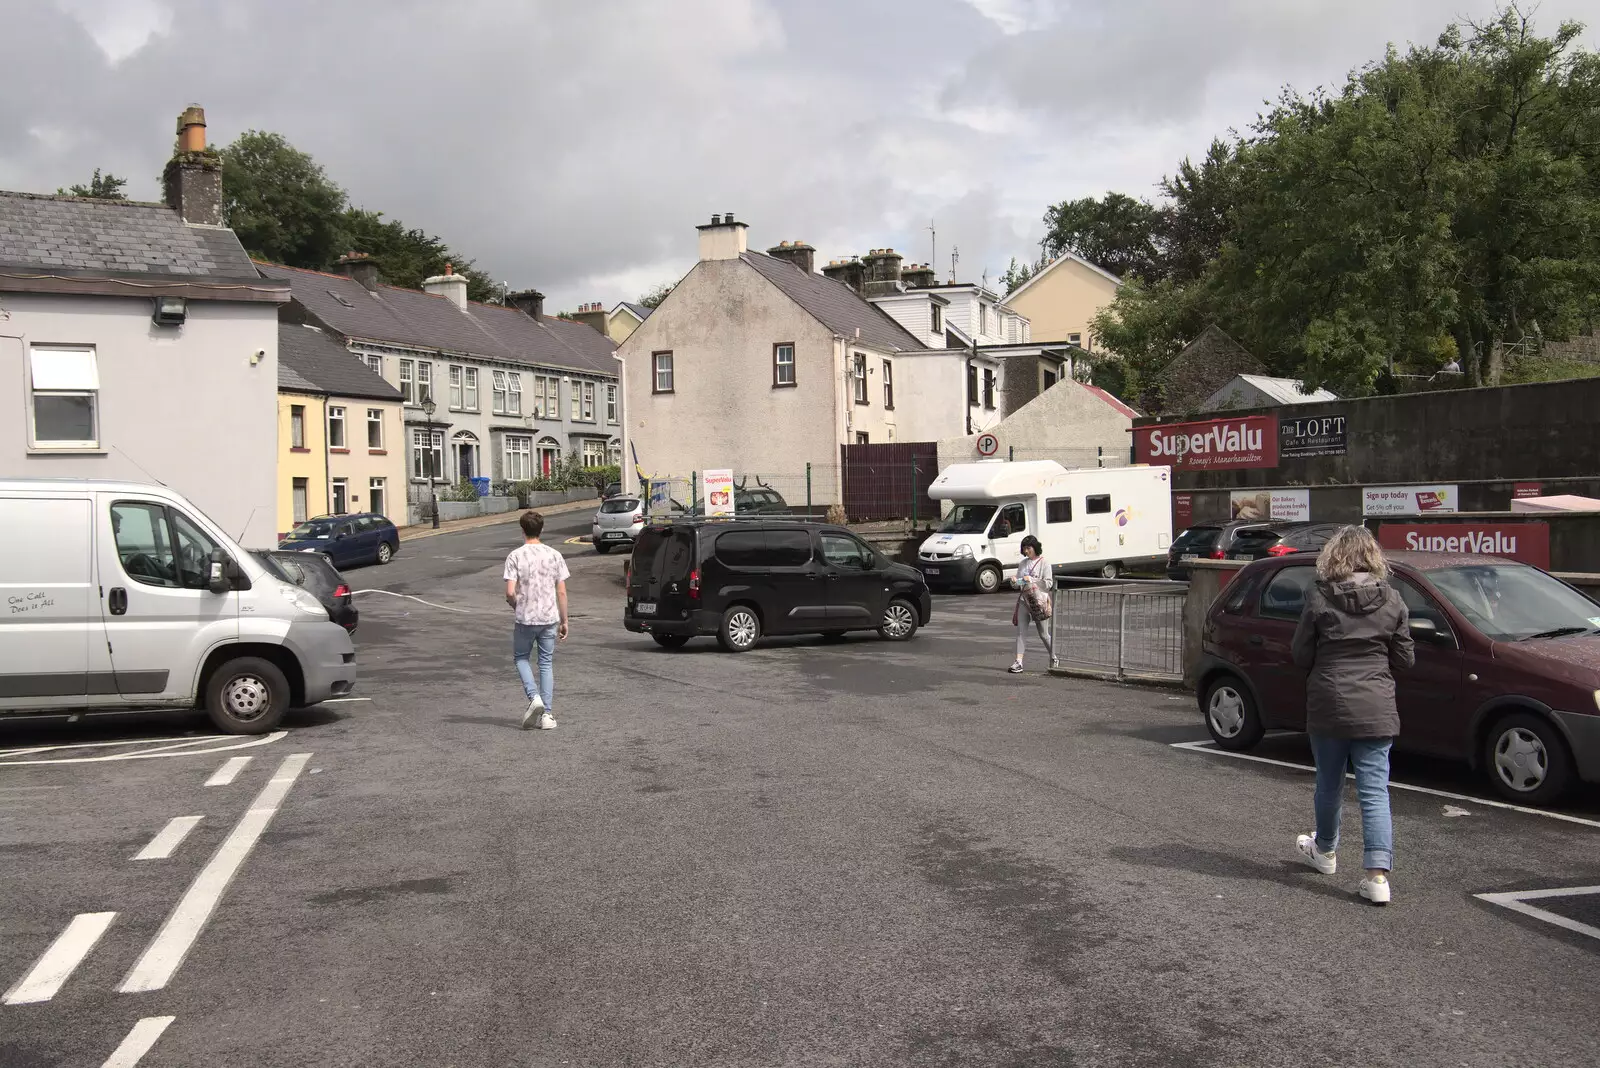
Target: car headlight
point(303, 601)
point(963, 552)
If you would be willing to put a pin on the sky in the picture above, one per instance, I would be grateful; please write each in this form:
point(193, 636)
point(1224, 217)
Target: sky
point(573, 145)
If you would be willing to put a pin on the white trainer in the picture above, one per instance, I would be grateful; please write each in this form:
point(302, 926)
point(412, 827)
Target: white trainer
point(1326, 863)
point(1375, 888)
point(535, 708)
point(546, 722)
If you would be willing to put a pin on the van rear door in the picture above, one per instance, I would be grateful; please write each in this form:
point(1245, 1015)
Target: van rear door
point(50, 625)
point(658, 577)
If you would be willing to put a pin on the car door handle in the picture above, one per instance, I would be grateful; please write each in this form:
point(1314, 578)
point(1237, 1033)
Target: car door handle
point(1256, 639)
point(117, 601)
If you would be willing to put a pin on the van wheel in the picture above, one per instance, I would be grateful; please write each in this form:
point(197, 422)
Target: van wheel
point(740, 629)
point(1231, 715)
point(1111, 569)
point(247, 696)
point(1527, 760)
point(988, 579)
point(899, 622)
point(385, 553)
point(671, 641)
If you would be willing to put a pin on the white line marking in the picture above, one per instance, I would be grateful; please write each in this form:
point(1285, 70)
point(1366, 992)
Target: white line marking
point(172, 943)
point(265, 739)
point(419, 600)
point(138, 1042)
point(169, 838)
point(344, 700)
point(1211, 747)
point(1516, 901)
point(228, 772)
point(64, 954)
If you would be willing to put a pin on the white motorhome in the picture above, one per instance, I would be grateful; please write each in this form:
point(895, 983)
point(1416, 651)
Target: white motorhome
point(118, 597)
point(1097, 520)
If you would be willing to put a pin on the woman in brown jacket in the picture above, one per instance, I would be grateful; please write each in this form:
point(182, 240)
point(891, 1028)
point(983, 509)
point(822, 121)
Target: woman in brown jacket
point(1353, 635)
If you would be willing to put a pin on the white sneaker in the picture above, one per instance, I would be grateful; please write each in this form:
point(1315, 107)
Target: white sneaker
point(535, 708)
point(1326, 863)
point(1015, 668)
point(1055, 662)
point(546, 722)
point(1376, 889)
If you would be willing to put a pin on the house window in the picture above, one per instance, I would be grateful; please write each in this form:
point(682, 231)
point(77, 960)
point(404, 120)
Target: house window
point(859, 374)
point(783, 364)
point(938, 317)
point(513, 393)
point(469, 388)
point(455, 386)
point(408, 381)
point(375, 428)
point(662, 363)
point(888, 386)
point(374, 363)
point(335, 426)
point(611, 405)
point(594, 454)
point(862, 438)
point(427, 454)
point(577, 402)
point(1075, 339)
point(424, 381)
point(988, 388)
point(377, 496)
point(65, 402)
point(1049, 379)
point(547, 397)
point(972, 385)
point(297, 426)
point(499, 392)
point(519, 458)
point(300, 490)
point(983, 318)
point(341, 496)
point(588, 401)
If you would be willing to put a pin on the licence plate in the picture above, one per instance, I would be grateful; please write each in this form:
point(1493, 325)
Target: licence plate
point(616, 535)
point(1187, 559)
point(930, 571)
point(644, 608)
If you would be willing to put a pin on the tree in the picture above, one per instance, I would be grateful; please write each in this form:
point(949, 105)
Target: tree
point(654, 298)
point(280, 202)
point(1193, 222)
point(1116, 234)
point(1017, 274)
point(406, 255)
point(101, 187)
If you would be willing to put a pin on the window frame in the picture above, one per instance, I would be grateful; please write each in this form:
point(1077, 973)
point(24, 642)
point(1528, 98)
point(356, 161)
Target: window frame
point(338, 487)
point(375, 422)
point(577, 402)
point(593, 453)
point(935, 318)
point(91, 393)
point(863, 550)
point(378, 495)
point(778, 365)
point(974, 398)
point(1090, 500)
point(469, 389)
point(374, 362)
point(1050, 513)
point(297, 428)
point(426, 442)
point(1310, 573)
point(455, 387)
point(989, 379)
point(888, 386)
point(500, 392)
point(336, 412)
point(408, 381)
point(588, 402)
point(858, 372)
point(613, 415)
point(656, 369)
point(513, 393)
point(517, 456)
point(424, 381)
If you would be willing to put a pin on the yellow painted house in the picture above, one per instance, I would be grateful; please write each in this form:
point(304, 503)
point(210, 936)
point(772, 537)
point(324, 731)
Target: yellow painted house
point(341, 442)
point(1062, 300)
point(624, 319)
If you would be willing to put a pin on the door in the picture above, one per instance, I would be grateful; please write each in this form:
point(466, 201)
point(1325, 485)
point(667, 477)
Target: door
point(796, 591)
point(857, 594)
point(341, 496)
point(1096, 515)
point(345, 545)
point(1434, 715)
point(160, 618)
point(50, 624)
point(1010, 526)
point(464, 460)
point(1269, 659)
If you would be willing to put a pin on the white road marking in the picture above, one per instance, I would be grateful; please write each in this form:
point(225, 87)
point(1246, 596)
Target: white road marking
point(165, 751)
point(1455, 810)
point(169, 838)
point(419, 600)
point(172, 943)
point(138, 1042)
point(344, 700)
point(1211, 747)
point(228, 772)
point(1517, 901)
point(58, 962)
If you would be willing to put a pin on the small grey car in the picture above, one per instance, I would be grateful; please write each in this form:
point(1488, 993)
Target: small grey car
point(617, 523)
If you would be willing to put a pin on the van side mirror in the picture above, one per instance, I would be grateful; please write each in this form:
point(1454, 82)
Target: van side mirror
point(220, 572)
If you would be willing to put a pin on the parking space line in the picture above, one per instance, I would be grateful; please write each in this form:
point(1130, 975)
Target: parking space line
point(164, 751)
point(57, 964)
point(1215, 750)
point(172, 943)
point(228, 772)
point(168, 838)
point(344, 700)
point(138, 1042)
point(1517, 901)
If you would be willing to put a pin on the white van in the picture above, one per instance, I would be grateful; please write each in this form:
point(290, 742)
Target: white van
point(1096, 519)
point(117, 596)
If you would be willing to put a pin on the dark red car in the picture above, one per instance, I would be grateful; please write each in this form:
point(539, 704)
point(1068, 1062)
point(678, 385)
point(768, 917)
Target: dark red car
point(1507, 675)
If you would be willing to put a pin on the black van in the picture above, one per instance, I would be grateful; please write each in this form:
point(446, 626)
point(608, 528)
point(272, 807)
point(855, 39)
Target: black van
point(739, 579)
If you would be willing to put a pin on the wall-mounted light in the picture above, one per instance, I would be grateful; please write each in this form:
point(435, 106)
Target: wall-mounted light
point(170, 311)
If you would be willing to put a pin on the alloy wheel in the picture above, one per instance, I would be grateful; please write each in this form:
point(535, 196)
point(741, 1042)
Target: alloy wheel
point(897, 620)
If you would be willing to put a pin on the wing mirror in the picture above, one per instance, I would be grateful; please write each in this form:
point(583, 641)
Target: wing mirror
point(220, 572)
point(1426, 630)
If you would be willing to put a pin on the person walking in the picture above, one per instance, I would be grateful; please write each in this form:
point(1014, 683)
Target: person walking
point(1034, 582)
point(536, 587)
point(1354, 633)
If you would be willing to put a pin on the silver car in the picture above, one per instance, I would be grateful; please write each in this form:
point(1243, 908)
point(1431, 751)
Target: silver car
point(617, 523)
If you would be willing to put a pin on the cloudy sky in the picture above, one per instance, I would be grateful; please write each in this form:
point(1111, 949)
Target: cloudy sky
point(573, 145)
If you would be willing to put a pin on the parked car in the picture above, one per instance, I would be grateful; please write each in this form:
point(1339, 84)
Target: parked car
point(763, 500)
point(1507, 676)
point(613, 489)
point(359, 538)
point(739, 580)
point(315, 573)
point(1280, 539)
point(617, 523)
point(1214, 541)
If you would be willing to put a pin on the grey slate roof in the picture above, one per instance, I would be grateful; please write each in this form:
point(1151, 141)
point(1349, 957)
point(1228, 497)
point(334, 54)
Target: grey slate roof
point(311, 360)
point(638, 309)
point(423, 320)
point(835, 305)
point(82, 234)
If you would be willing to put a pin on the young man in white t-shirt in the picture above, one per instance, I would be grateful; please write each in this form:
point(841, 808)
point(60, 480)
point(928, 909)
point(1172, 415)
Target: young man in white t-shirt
point(536, 587)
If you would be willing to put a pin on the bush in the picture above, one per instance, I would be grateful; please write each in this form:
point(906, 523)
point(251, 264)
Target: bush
point(465, 491)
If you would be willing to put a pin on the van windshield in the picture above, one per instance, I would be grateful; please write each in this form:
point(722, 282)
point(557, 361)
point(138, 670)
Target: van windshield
point(968, 519)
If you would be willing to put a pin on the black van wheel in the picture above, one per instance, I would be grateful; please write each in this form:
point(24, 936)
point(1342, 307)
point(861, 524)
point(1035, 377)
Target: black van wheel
point(1527, 759)
point(988, 579)
point(1231, 715)
point(899, 622)
point(740, 629)
point(671, 641)
point(1111, 569)
point(247, 696)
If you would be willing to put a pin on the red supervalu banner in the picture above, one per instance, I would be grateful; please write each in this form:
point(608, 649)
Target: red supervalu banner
point(1525, 542)
point(1211, 445)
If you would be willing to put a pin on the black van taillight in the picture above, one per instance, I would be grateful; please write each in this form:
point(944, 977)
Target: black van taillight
point(694, 584)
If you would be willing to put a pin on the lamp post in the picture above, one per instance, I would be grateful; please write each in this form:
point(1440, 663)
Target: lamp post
point(428, 408)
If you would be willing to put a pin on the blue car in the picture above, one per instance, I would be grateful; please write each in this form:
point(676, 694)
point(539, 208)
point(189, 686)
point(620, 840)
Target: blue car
point(360, 538)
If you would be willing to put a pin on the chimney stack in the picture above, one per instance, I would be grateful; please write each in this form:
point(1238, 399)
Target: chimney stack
point(798, 253)
point(592, 315)
point(529, 302)
point(851, 272)
point(358, 265)
point(449, 285)
point(883, 272)
point(919, 276)
point(192, 182)
point(723, 239)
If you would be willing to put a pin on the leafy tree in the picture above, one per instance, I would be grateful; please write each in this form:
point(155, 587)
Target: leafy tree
point(406, 255)
point(1017, 274)
point(101, 187)
point(1193, 223)
point(280, 202)
point(654, 298)
point(1117, 233)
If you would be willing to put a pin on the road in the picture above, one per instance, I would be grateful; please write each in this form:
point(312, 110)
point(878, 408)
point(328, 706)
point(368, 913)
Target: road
point(811, 854)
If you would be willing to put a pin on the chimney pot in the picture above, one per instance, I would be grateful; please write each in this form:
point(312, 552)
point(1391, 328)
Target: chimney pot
point(728, 219)
point(359, 265)
point(192, 181)
point(716, 220)
point(724, 239)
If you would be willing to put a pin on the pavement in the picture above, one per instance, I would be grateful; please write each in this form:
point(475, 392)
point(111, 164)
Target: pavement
point(849, 853)
point(478, 522)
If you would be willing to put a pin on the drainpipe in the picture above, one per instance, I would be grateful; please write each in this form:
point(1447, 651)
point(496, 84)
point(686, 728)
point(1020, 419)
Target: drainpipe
point(622, 420)
point(327, 458)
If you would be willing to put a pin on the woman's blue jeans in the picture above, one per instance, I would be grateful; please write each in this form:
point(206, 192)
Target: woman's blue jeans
point(1370, 758)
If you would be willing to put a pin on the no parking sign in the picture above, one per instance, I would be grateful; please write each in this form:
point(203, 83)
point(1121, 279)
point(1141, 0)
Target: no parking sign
point(988, 444)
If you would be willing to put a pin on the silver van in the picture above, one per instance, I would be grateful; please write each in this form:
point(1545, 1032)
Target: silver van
point(118, 596)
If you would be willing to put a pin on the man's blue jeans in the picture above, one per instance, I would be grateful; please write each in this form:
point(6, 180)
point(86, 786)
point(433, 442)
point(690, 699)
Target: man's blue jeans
point(1370, 758)
point(522, 643)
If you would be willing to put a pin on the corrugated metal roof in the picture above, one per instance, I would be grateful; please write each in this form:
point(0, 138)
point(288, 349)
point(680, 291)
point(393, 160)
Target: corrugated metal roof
point(835, 305)
point(79, 233)
point(322, 364)
point(1287, 390)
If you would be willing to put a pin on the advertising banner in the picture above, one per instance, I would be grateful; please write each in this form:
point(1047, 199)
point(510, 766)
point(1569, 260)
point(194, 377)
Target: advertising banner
point(1290, 504)
point(1210, 445)
point(1521, 491)
point(1526, 542)
point(1182, 511)
point(716, 489)
point(1313, 435)
point(1408, 500)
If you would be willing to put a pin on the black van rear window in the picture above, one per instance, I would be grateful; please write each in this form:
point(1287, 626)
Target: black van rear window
point(663, 554)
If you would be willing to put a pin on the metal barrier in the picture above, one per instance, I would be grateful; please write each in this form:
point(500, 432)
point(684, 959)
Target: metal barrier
point(1129, 630)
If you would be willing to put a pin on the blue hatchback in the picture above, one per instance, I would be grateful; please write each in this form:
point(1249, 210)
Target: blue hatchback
point(361, 538)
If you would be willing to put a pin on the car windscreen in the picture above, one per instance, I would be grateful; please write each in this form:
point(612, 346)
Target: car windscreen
point(618, 505)
point(968, 519)
point(1514, 602)
point(313, 531)
point(1196, 539)
point(663, 554)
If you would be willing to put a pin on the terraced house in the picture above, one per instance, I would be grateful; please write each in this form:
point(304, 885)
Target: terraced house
point(512, 389)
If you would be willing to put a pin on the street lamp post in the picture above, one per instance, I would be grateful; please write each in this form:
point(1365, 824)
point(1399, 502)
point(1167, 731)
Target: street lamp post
point(428, 408)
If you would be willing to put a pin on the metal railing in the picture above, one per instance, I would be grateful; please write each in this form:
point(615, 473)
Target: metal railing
point(1122, 630)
